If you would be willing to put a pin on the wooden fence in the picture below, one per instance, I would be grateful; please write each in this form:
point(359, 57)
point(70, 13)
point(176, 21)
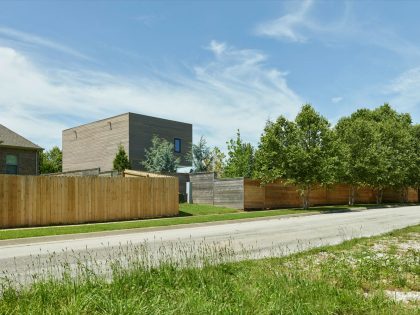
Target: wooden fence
point(44, 200)
point(243, 193)
point(279, 195)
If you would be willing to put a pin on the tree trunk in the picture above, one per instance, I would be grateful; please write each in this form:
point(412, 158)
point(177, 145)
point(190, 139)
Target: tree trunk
point(305, 196)
point(379, 195)
point(352, 194)
point(404, 195)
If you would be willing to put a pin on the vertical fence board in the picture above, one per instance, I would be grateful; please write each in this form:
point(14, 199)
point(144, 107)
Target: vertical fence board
point(44, 200)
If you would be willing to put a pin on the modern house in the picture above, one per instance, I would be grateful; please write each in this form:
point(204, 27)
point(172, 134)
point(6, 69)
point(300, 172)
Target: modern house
point(17, 154)
point(94, 145)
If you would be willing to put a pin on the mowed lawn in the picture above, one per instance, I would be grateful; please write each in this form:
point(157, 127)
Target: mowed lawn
point(189, 213)
point(361, 276)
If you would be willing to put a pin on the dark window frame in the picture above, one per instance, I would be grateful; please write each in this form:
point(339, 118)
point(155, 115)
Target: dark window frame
point(180, 144)
point(12, 168)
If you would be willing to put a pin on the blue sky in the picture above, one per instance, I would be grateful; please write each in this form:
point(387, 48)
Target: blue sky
point(219, 65)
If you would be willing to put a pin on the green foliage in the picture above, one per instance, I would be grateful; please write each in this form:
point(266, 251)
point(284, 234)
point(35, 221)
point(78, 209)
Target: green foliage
point(160, 157)
point(414, 167)
point(121, 161)
point(376, 149)
point(201, 156)
point(300, 152)
point(241, 158)
point(51, 161)
point(217, 164)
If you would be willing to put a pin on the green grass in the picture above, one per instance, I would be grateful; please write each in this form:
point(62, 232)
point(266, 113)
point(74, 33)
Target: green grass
point(186, 209)
point(346, 279)
point(189, 213)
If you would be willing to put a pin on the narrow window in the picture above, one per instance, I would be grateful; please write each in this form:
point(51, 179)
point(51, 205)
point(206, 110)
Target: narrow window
point(177, 145)
point(11, 164)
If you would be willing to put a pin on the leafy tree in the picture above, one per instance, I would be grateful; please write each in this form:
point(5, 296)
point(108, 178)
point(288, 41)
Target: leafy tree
point(376, 149)
point(217, 164)
point(201, 156)
point(241, 160)
point(355, 138)
point(51, 161)
point(414, 171)
point(121, 161)
point(300, 152)
point(382, 152)
point(160, 157)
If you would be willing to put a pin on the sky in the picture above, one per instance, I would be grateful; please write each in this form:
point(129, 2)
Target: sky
point(220, 65)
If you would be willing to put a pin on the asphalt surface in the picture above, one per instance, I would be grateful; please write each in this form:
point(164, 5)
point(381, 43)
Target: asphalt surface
point(23, 259)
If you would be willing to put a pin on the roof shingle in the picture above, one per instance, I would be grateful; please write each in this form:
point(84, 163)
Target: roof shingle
point(10, 138)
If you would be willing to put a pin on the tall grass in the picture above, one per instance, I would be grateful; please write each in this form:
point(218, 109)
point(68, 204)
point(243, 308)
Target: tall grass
point(207, 279)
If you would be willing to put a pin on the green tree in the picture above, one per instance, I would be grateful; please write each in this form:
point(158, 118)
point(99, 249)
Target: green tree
point(378, 152)
point(121, 161)
point(355, 138)
point(217, 164)
point(241, 158)
point(201, 156)
point(51, 161)
point(414, 171)
point(160, 157)
point(299, 151)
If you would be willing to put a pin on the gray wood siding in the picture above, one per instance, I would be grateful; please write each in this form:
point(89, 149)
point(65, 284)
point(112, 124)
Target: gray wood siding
point(142, 129)
point(202, 188)
point(229, 193)
point(96, 143)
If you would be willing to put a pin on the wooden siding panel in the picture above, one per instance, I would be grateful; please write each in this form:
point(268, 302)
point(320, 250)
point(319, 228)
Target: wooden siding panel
point(95, 144)
point(229, 193)
point(142, 130)
point(202, 188)
point(254, 194)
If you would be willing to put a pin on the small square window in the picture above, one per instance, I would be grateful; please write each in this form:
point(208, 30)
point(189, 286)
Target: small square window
point(11, 164)
point(177, 145)
point(11, 159)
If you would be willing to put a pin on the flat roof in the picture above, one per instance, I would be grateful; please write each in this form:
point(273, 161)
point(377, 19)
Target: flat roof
point(128, 113)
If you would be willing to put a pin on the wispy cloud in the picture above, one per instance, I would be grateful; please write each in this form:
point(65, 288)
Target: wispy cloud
point(217, 48)
point(148, 20)
point(287, 26)
point(304, 23)
point(336, 99)
point(404, 93)
point(234, 90)
point(39, 41)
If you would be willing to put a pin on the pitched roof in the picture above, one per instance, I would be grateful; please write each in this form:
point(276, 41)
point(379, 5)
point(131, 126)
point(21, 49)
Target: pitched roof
point(12, 139)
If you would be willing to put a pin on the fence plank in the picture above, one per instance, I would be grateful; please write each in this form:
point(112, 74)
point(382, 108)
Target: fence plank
point(45, 200)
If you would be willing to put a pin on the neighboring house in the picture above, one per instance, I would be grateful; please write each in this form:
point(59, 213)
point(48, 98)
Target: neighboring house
point(95, 144)
point(17, 154)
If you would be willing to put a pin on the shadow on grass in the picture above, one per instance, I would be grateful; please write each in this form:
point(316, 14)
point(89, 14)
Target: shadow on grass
point(184, 214)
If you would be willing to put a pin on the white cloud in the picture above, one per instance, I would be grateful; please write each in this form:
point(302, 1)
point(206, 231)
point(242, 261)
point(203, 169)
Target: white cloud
point(304, 24)
point(288, 26)
point(148, 20)
point(404, 92)
point(39, 41)
point(336, 99)
point(216, 47)
point(235, 90)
